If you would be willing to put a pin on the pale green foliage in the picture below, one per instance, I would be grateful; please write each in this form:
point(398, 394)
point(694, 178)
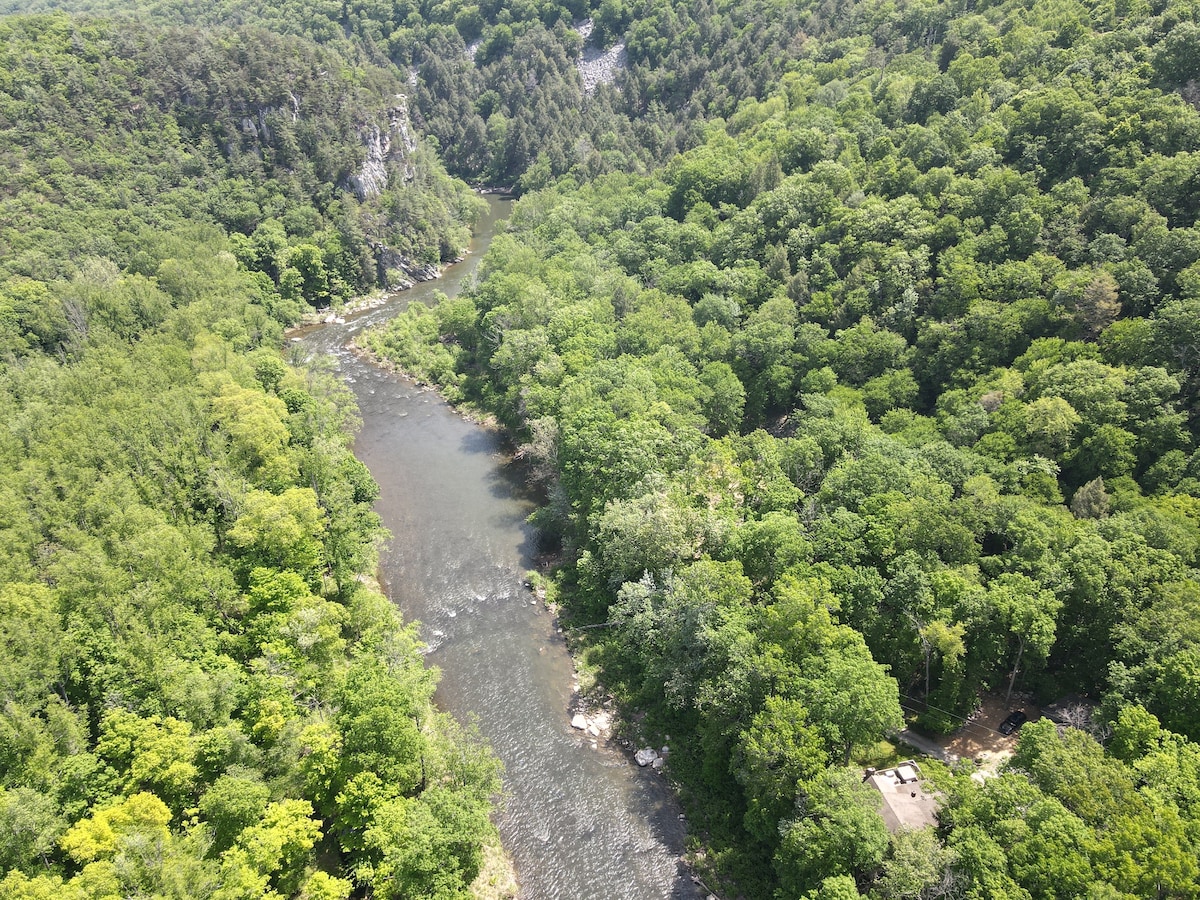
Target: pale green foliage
point(835, 887)
point(28, 629)
point(917, 867)
point(280, 844)
point(1050, 424)
point(158, 754)
point(927, 216)
point(254, 424)
point(323, 886)
point(1091, 501)
point(102, 835)
point(30, 825)
point(649, 534)
point(281, 530)
point(412, 344)
point(424, 846)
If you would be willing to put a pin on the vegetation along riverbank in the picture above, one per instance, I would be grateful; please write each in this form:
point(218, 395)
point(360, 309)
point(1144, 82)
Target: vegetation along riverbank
point(852, 347)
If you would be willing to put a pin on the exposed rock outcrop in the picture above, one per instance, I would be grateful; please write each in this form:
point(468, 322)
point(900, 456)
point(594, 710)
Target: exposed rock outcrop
point(387, 149)
point(398, 272)
point(259, 124)
point(597, 67)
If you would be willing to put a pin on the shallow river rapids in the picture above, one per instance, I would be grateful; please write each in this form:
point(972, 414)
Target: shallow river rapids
point(578, 821)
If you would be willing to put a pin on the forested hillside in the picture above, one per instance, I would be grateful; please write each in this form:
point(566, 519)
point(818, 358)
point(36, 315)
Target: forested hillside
point(201, 698)
point(202, 693)
point(497, 86)
point(115, 134)
point(882, 396)
point(852, 346)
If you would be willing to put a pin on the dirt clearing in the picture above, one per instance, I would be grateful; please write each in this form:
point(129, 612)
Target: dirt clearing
point(979, 738)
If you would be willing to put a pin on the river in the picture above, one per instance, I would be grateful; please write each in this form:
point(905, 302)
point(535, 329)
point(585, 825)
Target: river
point(579, 821)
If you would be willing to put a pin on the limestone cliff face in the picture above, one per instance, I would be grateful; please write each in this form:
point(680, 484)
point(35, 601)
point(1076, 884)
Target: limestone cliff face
point(388, 149)
point(390, 153)
point(258, 126)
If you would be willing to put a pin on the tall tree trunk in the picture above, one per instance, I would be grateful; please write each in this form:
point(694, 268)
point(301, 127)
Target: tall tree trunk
point(1016, 668)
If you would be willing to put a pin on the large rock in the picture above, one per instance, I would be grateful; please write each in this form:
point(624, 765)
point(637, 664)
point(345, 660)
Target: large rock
point(578, 721)
point(598, 66)
point(645, 757)
point(398, 269)
point(388, 149)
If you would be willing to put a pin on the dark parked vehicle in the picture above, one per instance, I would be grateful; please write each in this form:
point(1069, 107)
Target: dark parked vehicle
point(1014, 721)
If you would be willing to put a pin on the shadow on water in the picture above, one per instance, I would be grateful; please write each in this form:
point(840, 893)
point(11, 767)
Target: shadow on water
point(580, 820)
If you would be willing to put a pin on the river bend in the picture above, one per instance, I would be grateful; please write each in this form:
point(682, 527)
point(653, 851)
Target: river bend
point(579, 821)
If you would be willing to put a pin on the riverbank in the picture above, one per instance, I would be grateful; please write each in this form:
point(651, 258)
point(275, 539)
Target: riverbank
point(593, 712)
point(464, 410)
point(338, 313)
point(579, 820)
point(497, 878)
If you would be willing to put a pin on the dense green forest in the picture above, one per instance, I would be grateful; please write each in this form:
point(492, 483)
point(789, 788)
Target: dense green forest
point(882, 395)
point(201, 697)
point(496, 86)
point(117, 133)
point(202, 692)
point(852, 347)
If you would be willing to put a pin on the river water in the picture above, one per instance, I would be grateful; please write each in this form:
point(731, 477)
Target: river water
point(579, 821)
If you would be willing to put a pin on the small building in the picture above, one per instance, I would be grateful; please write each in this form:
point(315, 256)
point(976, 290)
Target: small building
point(907, 801)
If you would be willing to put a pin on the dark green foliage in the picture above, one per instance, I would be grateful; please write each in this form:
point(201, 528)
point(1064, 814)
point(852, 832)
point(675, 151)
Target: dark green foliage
point(1081, 821)
point(882, 389)
point(944, 266)
point(497, 86)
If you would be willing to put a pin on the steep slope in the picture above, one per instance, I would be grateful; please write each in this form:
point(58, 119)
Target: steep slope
point(111, 131)
point(201, 692)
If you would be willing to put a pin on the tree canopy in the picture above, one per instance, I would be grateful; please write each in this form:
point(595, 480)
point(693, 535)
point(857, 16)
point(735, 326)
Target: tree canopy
point(880, 392)
point(852, 347)
point(186, 615)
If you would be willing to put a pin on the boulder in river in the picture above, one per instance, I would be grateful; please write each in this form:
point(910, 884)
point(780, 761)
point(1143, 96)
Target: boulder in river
point(578, 721)
point(645, 757)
